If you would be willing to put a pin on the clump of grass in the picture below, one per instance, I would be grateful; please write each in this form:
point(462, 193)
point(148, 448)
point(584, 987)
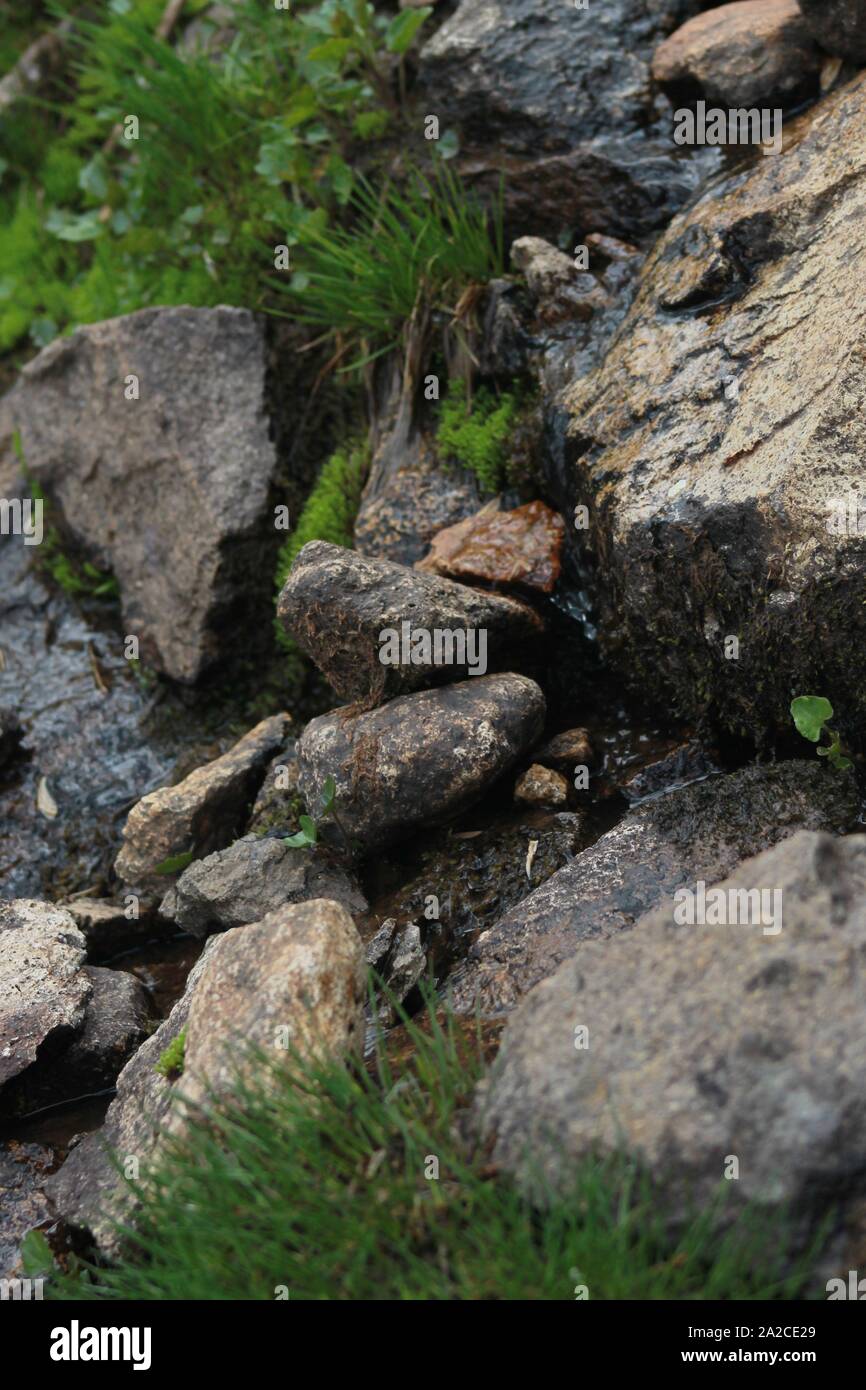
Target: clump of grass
point(170, 1063)
point(476, 432)
point(411, 252)
point(328, 515)
point(74, 575)
point(327, 1182)
point(239, 149)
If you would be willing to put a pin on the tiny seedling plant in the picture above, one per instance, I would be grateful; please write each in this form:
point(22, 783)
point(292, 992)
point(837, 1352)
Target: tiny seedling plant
point(308, 835)
point(810, 714)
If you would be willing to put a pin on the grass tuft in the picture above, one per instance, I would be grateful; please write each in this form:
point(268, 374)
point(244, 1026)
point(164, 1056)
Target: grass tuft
point(323, 1182)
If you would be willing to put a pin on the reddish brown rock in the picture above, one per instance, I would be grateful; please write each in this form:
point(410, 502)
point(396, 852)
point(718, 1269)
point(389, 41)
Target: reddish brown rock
point(520, 547)
point(742, 54)
point(541, 786)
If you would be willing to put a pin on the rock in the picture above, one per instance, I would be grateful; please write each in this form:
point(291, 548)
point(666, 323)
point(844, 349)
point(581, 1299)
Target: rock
point(337, 605)
point(253, 877)
point(65, 1028)
point(702, 831)
point(23, 1205)
point(298, 974)
point(169, 491)
point(541, 786)
point(10, 737)
point(520, 547)
point(839, 26)
point(378, 948)
point(422, 758)
point(568, 750)
point(277, 802)
point(710, 514)
point(686, 763)
point(408, 497)
point(201, 812)
point(706, 1042)
point(106, 927)
point(750, 53)
point(408, 963)
point(43, 990)
point(564, 98)
point(560, 290)
point(116, 1022)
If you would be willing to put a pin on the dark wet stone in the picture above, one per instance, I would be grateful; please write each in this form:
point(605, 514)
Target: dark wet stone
point(420, 759)
point(839, 26)
point(702, 831)
point(337, 605)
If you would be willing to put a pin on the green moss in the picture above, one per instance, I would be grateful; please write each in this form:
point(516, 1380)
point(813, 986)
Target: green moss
point(170, 1064)
point(477, 433)
point(328, 515)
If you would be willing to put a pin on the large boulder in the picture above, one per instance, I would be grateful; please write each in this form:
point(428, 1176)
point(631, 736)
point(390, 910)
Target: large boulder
point(420, 759)
point(718, 447)
point(339, 606)
point(295, 979)
point(564, 97)
point(169, 490)
point(701, 831)
point(201, 812)
point(749, 53)
point(697, 1047)
point(839, 26)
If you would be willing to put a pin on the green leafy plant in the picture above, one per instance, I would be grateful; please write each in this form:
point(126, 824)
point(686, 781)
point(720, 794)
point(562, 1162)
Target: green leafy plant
point(175, 863)
point(308, 834)
point(810, 714)
point(315, 1177)
point(171, 1061)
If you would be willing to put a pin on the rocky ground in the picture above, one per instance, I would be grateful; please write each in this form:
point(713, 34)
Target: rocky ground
point(191, 849)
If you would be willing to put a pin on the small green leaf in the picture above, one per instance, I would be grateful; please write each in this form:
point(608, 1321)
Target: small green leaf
point(36, 1257)
point(401, 31)
point(308, 825)
point(329, 791)
point(92, 178)
point(174, 863)
point(448, 144)
point(810, 713)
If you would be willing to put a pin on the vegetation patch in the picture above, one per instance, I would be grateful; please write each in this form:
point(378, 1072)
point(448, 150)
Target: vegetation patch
point(170, 1064)
point(478, 432)
point(322, 1182)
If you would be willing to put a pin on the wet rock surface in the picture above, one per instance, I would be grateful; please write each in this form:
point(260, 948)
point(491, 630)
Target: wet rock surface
point(298, 975)
point(253, 877)
point(557, 85)
point(702, 831)
point(749, 53)
point(409, 497)
point(520, 548)
point(711, 445)
point(697, 1049)
point(168, 490)
point(200, 813)
point(82, 735)
point(338, 604)
point(839, 26)
point(422, 758)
